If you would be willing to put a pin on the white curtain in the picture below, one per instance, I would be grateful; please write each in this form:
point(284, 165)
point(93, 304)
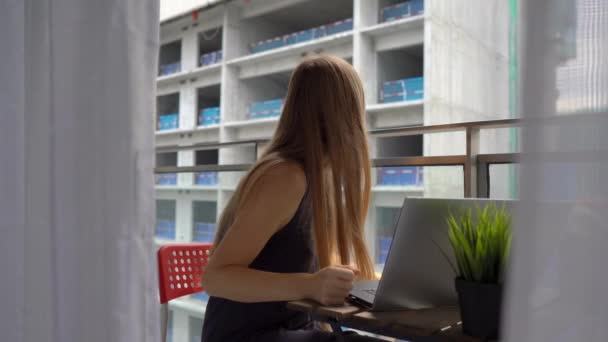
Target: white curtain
point(558, 289)
point(77, 84)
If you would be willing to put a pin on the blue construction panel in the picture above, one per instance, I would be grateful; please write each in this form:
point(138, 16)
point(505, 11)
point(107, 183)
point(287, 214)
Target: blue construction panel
point(265, 109)
point(414, 95)
point(380, 174)
point(388, 176)
point(206, 59)
point(276, 43)
point(290, 39)
point(414, 84)
point(320, 32)
point(273, 105)
point(208, 122)
point(410, 175)
point(203, 232)
point(266, 45)
point(166, 179)
point(163, 70)
point(407, 176)
point(392, 176)
point(206, 178)
point(171, 178)
point(408, 89)
point(404, 176)
point(256, 47)
point(406, 96)
point(210, 58)
point(420, 176)
point(263, 115)
point(209, 116)
point(160, 179)
point(210, 112)
point(165, 229)
point(416, 7)
point(383, 246)
point(340, 26)
point(396, 12)
point(384, 242)
point(170, 68)
point(402, 10)
point(393, 87)
point(255, 107)
point(394, 98)
point(202, 296)
point(304, 36)
point(168, 121)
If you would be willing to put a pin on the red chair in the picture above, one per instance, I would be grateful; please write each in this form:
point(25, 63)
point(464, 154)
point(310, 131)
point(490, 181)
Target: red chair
point(180, 272)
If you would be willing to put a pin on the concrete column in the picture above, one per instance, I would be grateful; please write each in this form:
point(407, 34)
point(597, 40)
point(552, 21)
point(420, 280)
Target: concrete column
point(189, 50)
point(187, 107)
point(185, 158)
point(183, 218)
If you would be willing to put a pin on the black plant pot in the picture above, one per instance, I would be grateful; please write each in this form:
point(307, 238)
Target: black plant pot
point(480, 306)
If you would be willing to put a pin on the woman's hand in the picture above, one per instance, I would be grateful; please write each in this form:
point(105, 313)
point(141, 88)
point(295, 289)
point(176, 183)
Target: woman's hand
point(331, 285)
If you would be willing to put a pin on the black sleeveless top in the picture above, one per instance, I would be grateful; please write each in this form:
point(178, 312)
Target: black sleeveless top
point(289, 250)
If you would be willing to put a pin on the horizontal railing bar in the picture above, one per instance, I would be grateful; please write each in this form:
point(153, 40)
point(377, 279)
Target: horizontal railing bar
point(208, 146)
point(380, 132)
point(203, 168)
point(379, 162)
point(498, 158)
point(453, 127)
point(420, 161)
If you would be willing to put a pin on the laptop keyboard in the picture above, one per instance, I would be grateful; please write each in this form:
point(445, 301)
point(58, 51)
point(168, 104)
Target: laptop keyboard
point(371, 291)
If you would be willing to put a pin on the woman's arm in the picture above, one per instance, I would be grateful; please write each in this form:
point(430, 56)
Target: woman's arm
point(277, 197)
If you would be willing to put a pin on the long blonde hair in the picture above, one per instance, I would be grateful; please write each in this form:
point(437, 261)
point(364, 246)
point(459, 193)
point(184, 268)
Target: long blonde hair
point(322, 128)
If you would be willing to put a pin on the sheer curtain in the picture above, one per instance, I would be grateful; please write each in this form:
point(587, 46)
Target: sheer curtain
point(77, 83)
point(559, 281)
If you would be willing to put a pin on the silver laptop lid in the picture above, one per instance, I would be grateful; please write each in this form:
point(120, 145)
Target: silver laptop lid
point(417, 273)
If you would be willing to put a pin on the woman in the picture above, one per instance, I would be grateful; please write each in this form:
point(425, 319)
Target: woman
point(294, 227)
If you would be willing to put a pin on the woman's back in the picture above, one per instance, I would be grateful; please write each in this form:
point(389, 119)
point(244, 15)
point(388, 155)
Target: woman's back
point(313, 179)
point(290, 250)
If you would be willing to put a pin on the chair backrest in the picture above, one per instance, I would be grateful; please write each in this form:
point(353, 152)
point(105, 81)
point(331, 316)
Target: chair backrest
point(181, 268)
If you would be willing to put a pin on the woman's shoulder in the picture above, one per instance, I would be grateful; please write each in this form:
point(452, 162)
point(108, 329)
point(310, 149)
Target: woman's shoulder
point(283, 177)
point(287, 173)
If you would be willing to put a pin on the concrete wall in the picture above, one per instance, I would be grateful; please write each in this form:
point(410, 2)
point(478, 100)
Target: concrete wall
point(466, 71)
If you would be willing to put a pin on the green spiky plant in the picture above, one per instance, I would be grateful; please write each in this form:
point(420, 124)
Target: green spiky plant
point(481, 246)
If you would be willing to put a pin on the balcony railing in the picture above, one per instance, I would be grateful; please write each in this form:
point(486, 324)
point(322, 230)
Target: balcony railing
point(475, 165)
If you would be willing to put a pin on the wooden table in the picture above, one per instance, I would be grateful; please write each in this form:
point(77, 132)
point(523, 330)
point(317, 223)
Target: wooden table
point(437, 324)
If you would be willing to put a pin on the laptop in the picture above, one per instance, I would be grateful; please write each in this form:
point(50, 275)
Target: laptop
point(417, 273)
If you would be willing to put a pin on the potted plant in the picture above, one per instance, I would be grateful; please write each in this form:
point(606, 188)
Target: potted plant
point(481, 247)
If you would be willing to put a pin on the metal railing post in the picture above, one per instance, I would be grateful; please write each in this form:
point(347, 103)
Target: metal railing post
point(483, 179)
point(470, 165)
